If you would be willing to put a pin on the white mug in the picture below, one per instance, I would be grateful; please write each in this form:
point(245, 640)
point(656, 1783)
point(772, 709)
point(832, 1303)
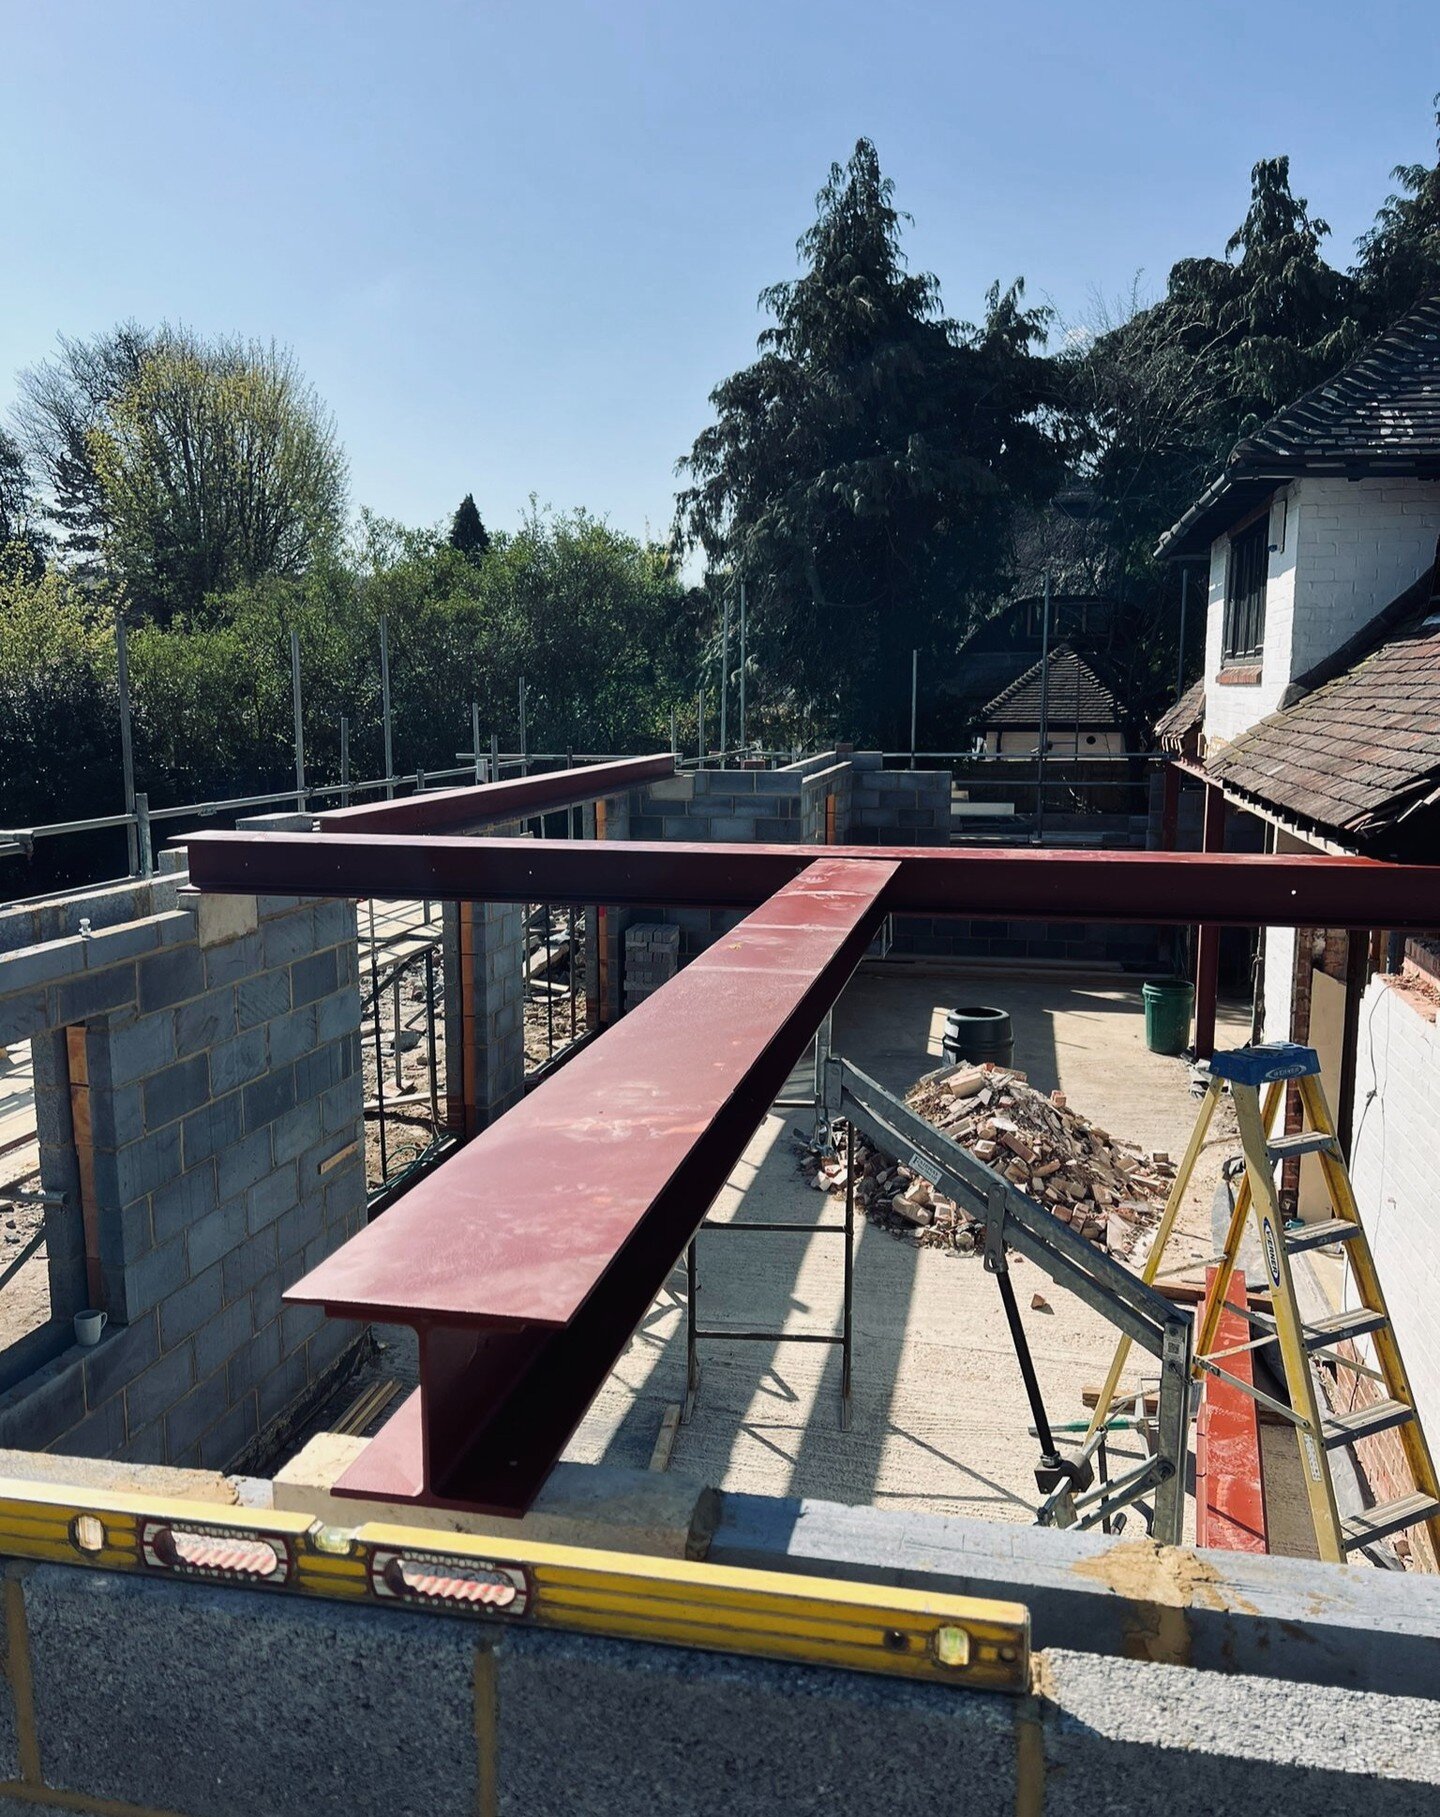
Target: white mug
point(88, 1326)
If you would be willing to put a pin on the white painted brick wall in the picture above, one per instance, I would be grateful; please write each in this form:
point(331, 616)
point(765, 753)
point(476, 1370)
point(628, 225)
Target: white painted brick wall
point(1279, 982)
point(1395, 1143)
point(1350, 547)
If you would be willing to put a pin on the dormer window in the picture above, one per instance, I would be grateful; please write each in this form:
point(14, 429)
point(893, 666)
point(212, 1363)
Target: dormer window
point(1249, 568)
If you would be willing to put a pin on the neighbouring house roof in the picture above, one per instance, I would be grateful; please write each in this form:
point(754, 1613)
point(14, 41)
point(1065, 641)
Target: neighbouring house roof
point(1379, 415)
point(1178, 729)
point(1076, 696)
point(1358, 754)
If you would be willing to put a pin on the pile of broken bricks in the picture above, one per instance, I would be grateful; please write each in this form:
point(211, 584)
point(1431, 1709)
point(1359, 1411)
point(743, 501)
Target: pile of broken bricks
point(1106, 1190)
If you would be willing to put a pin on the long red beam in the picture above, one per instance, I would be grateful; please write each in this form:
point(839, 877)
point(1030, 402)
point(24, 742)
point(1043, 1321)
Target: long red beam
point(1231, 889)
point(526, 1261)
point(482, 804)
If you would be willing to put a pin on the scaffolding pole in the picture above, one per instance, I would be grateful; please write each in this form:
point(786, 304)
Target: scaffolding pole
point(385, 708)
point(299, 722)
point(127, 746)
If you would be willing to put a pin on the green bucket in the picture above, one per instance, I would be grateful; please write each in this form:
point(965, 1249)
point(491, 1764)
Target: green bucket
point(1168, 1002)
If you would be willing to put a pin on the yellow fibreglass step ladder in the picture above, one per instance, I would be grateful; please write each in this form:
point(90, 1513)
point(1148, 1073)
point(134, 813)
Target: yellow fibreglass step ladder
point(1249, 1072)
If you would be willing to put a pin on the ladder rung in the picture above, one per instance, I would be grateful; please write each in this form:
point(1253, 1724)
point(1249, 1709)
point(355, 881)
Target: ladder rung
point(1304, 1142)
point(1364, 1422)
point(1315, 1236)
point(1338, 1326)
point(1389, 1517)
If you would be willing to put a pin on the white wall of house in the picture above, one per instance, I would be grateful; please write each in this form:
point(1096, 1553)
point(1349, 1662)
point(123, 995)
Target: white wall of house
point(1349, 548)
point(1395, 1139)
point(1063, 741)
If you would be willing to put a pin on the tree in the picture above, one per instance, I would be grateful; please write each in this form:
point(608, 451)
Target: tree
point(467, 533)
point(1400, 256)
point(216, 466)
point(62, 402)
point(14, 492)
point(860, 475)
point(1159, 394)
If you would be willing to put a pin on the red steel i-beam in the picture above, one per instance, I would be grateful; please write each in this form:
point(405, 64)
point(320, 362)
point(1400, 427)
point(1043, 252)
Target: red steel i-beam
point(990, 883)
point(485, 803)
point(526, 1261)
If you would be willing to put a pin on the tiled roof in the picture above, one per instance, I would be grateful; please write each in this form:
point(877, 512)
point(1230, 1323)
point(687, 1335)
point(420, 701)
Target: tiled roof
point(1380, 414)
point(1077, 696)
point(1183, 718)
point(1384, 404)
point(1361, 750)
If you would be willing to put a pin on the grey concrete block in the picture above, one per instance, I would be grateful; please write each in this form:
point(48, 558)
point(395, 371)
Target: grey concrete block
point(314, 977)
point(121, 1354)
point(234, 960)
point(141, 1167)
point(176, 1090)
point(191, 1418)
point(212, 1237)
point(1277, 1749)
point(189, 1661)
point(339, 1014)
point(269, 1096)
point(301, 1224)
point(298, 1324)
point(190, 1306)
point(228, 1437)
point(99, 1434)
point(218, 1339)
point(269, 1198)
point(262, 998)
point(154, 1277)
point(117, 1115)
point(291, 1035)
point(93, 994)
point(170, 976)
point(296, 1131)
point(241, 1165)
point(316, 1073)
point(212, 1129)
point(206, 1022)
point(256, 1358)
point(235, 1063)
point(157, 1389)
point(114, 945)
point(669, 1732)
point(246, 1267)
point(279, 1391)
point(45, 1404)
point(182, 1204)
point(288, 937)
point(29, 967)
point(334, 922)
point(330, 1343)
point(141, 1047)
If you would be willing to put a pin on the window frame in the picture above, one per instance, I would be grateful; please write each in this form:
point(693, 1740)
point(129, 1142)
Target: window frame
point(1247, 576)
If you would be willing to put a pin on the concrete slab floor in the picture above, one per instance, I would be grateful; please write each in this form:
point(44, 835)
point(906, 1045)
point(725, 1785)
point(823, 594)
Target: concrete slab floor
point(939, 1417)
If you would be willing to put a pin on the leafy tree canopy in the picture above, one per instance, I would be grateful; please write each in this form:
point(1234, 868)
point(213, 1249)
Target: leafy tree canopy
point(1400, 257)
point(861, 474)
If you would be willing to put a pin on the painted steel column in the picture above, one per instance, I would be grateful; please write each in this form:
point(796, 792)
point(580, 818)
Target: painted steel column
point(1207, 935)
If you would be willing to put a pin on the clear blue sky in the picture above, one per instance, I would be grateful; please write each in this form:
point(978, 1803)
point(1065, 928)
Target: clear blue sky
point(514, 245)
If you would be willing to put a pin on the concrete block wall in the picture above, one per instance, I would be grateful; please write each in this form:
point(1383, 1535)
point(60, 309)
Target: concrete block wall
point(720, 806)
point(125, 1694)
point(198, 1075)
point(1076, 943)
point(897, 807)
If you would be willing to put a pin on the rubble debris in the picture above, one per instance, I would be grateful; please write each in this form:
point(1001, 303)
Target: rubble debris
point(1107, 1190)
point(1038, 1303)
